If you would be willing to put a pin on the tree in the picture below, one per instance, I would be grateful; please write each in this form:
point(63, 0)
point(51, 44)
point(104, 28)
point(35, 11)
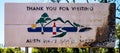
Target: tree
point(35, 50)
point(58, 1)
point(9, 50)
point(1, 50)
point(118, 33)
point(43, 19)
point(18, 50)
point(40, 50)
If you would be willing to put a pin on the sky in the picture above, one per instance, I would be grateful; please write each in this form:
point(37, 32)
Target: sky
point(2, 21)
point(117, 13)
point(30, 1)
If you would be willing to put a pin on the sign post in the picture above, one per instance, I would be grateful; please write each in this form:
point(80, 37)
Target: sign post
point(26, 50)
point(90, 50)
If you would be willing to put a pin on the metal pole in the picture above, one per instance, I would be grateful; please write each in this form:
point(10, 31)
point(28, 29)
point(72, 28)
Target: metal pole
point(90, 50)
point(26, 49)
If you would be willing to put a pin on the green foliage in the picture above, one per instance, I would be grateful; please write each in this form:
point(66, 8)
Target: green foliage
point(55, 1)
point(9, 50)
point(69, 50)
point(117, 50)
point(35, 50)
point(18, 50)
point(118, 31)
point(39, 50)
point(60, 50)
point(1, 50)
point(74, 50)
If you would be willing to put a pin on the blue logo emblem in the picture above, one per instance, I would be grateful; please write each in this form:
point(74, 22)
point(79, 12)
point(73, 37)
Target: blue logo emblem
point(54, 28)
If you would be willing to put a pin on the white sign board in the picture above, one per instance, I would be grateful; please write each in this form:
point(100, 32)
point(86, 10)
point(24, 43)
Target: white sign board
point(56, 25)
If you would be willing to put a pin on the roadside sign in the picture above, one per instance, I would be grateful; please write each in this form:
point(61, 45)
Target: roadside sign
point(58, 25)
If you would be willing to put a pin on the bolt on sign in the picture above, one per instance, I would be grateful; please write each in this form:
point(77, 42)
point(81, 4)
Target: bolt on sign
point(58, 25)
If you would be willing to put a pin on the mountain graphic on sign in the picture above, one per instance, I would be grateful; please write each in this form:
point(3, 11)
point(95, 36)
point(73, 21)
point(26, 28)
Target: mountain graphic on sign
point(67, 21)
point(46, 20)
